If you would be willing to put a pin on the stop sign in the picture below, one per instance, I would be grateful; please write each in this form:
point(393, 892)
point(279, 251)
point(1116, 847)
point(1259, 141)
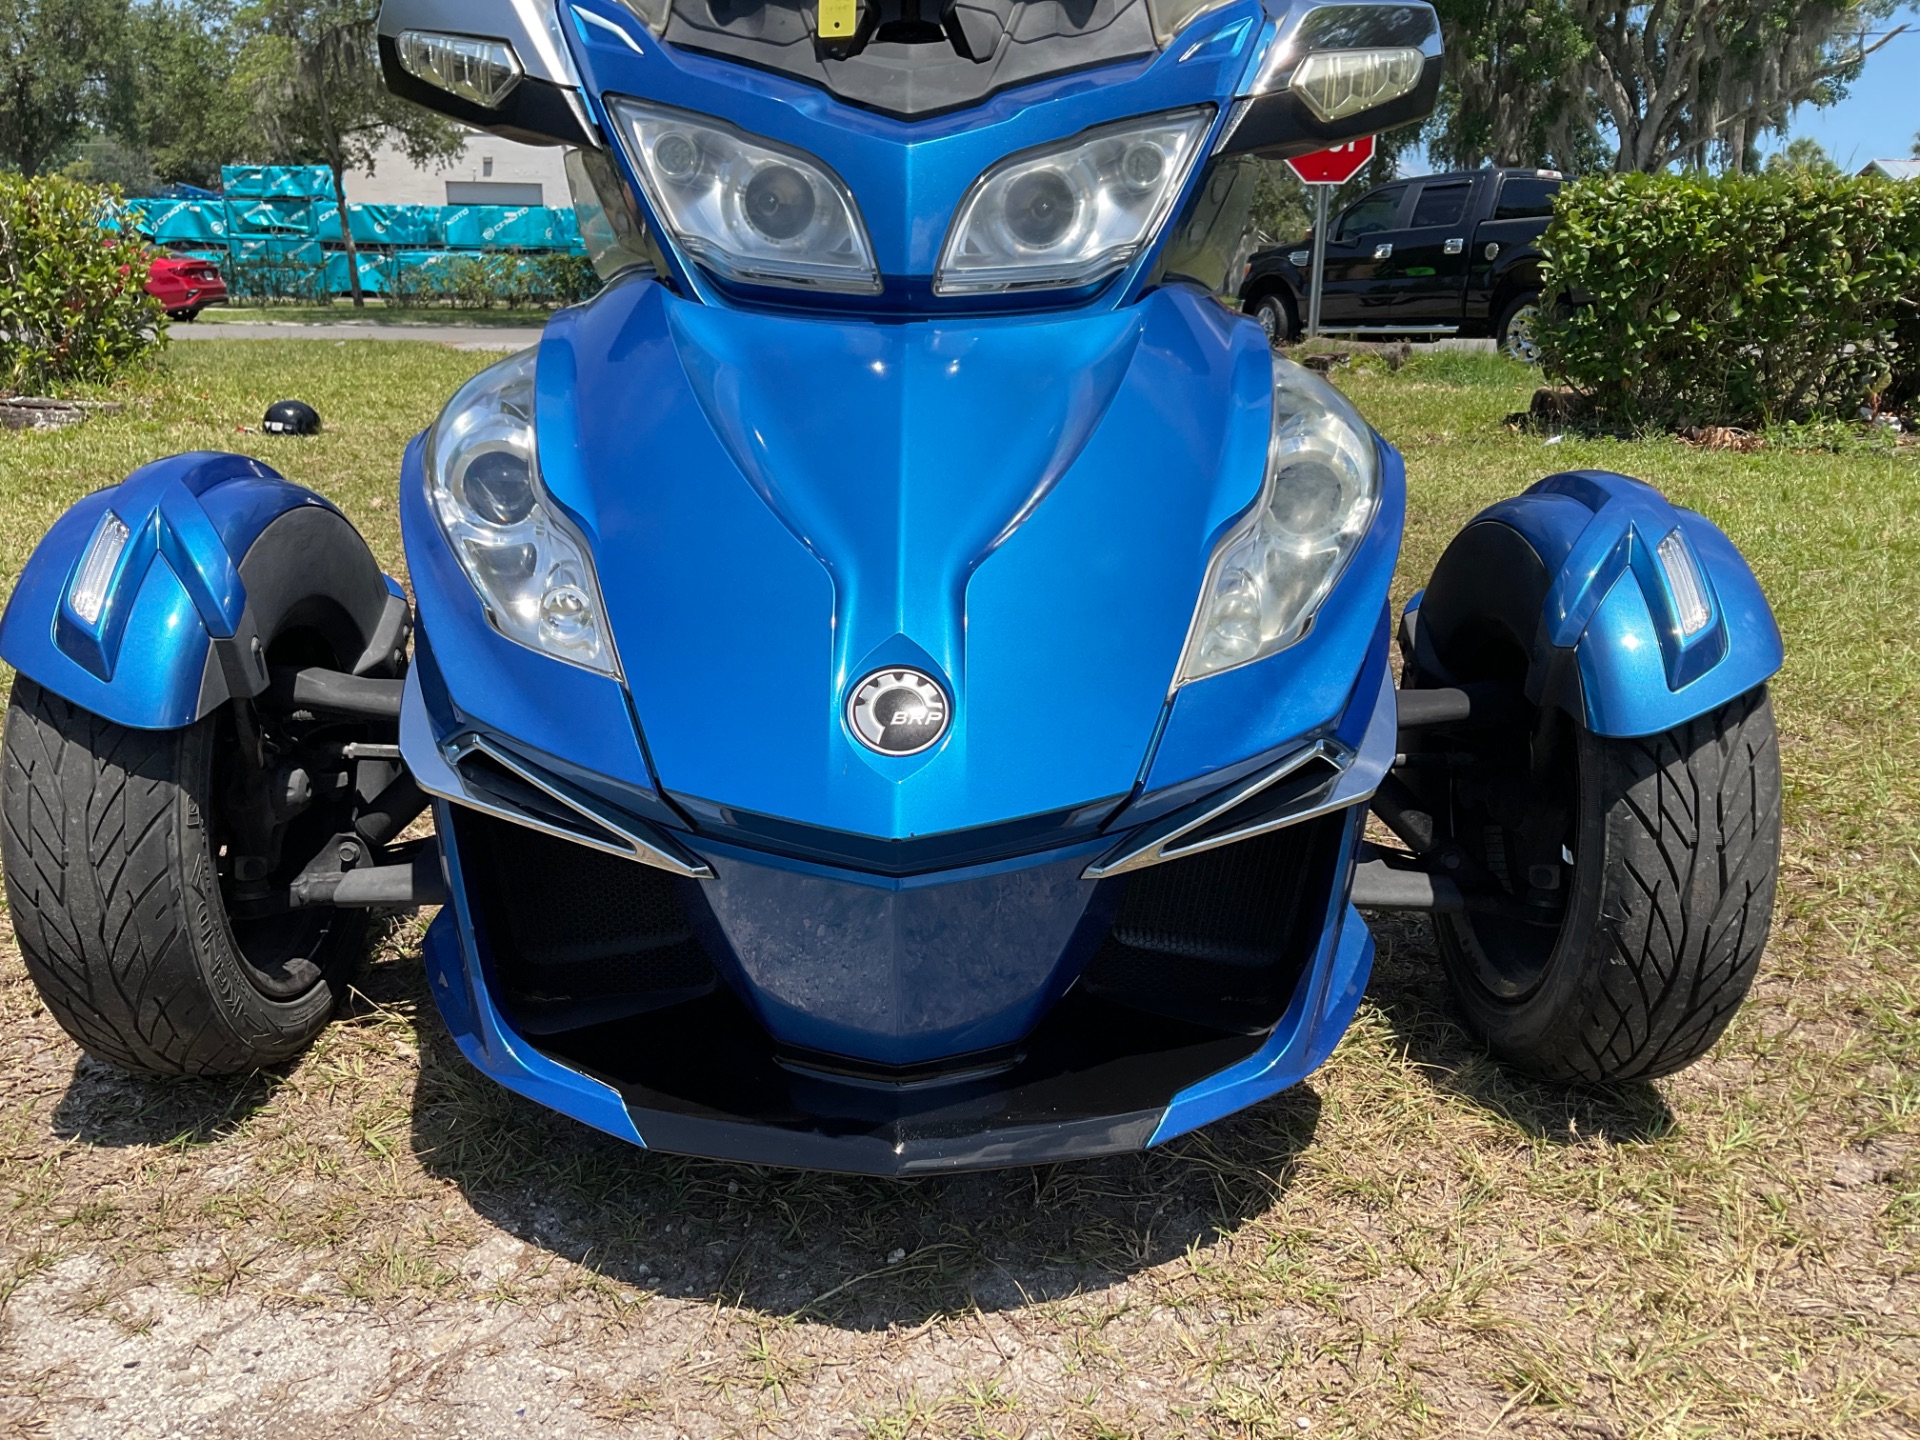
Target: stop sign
point(1335, 165)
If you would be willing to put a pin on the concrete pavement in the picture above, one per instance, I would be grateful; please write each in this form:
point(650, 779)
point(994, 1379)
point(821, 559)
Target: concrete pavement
point(460, 337)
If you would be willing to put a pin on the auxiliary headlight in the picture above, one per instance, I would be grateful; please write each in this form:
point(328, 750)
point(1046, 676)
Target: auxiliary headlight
point(1072, 213)
point(1337, 84)
point(1275, 568)
point(529, 568)
point(748, 209)
point(483, 71)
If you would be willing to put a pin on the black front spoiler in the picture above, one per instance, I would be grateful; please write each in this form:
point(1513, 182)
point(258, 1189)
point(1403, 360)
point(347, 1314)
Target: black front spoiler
point(705, 1079)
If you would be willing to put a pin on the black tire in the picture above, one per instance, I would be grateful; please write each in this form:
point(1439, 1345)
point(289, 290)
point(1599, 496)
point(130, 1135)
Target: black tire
point(124, 874)
point(1513, 336)
point(1275, 314)
point(112, 880)
point(1675, 841)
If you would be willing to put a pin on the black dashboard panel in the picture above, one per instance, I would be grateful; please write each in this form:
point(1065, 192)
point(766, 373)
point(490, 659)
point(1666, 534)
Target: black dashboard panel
point(919, 57)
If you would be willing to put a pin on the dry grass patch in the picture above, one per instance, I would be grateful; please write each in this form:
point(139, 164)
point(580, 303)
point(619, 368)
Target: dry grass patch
point(376, 1240)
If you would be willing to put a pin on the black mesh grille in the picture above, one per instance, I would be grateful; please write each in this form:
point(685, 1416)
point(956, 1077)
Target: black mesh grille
point(578, 936)
point(1220, 938)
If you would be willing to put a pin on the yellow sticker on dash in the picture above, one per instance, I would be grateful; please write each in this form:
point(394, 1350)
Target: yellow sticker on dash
point(838, 18)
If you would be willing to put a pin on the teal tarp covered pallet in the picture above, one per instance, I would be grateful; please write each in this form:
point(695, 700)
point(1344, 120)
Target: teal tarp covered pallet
point(276, 182)
point(477, 228)
point(174, 222)
point(270, 217)
point(400, 227)
point(277, 231)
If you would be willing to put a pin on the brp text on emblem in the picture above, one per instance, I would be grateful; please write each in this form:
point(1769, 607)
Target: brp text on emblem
point(898, 712)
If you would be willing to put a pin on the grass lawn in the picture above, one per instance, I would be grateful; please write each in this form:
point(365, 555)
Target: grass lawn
point(1414, 1243)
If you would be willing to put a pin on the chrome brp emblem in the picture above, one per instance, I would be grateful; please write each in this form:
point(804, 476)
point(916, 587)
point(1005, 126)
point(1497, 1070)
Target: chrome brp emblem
point(898, 711)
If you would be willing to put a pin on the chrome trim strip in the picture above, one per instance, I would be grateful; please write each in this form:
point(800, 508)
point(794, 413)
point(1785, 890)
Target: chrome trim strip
point(1358, 774)
point(1161, 841)
point(638, 841)
point(435, 769)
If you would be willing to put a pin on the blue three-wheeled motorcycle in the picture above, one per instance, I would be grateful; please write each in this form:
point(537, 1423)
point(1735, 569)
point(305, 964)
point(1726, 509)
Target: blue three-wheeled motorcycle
point(900, 679)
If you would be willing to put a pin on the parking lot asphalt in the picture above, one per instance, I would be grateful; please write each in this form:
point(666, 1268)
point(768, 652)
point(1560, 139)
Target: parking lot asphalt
point(460, 337)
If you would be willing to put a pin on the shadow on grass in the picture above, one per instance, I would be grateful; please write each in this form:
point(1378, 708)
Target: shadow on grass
point(852, 1251)
point(106, 1106)
point(1410, 990)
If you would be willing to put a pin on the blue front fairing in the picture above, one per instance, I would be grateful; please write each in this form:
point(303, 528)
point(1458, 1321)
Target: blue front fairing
point(781, 505)
point(1025, 508)
point(783, 492)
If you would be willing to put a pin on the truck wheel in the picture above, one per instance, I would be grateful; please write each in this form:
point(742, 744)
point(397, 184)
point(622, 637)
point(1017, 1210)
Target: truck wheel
point(1276, 318)
point(148, 871)
point(1515, 334)
point(1638, 876)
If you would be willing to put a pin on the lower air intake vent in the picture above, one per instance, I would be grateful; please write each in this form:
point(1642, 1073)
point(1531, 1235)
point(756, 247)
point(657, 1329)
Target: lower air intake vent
point(578, 937)
point(1221, 938)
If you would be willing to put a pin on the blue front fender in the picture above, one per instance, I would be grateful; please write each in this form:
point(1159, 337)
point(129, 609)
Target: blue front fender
point(172, 639)
point(1607, 639)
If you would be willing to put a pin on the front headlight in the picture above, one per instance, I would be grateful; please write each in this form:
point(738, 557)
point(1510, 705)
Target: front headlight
point(1073, 213)
point(528, 566)
point(748, 209)
point(1273, 570)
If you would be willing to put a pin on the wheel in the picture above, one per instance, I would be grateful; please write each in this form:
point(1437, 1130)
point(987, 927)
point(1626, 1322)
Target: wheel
point(1276, 318)
point(148, 872)
point(1636, 880)
point(1515, 335)
point(186, 317)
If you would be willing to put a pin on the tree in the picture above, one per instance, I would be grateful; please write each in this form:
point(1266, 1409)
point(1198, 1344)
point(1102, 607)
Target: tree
point(60, 64)
point(1585, 85)
point(1508, 100)
point(182, 109)
point(110, 162)
point(311, 72)
point(1689, 80)
point(1803, 154)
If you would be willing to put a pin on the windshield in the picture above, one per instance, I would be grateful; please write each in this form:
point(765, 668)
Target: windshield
point(918, 57)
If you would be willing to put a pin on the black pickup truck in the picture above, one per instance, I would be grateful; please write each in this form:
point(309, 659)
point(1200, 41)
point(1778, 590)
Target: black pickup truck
point(1437, 255)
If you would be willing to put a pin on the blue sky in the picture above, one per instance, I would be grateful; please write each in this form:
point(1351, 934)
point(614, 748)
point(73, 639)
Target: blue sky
point(1878, 118)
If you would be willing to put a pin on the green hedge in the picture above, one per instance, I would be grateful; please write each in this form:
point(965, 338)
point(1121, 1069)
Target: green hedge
point(1684, 299)
point(505, 280)
point(508, 280)
point(73, 301)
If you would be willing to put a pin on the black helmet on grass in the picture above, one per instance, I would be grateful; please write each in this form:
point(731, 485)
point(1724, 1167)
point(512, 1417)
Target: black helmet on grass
point(291, 417)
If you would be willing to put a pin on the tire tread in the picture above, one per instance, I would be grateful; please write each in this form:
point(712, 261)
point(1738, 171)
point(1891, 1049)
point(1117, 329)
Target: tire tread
point(1687, 906)
point(101, 888)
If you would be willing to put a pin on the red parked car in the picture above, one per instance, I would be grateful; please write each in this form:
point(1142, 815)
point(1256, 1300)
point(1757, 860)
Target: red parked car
point(186, 286)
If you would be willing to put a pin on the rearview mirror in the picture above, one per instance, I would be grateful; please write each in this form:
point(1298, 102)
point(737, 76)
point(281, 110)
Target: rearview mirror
point(1338, 71)
point(497, 65)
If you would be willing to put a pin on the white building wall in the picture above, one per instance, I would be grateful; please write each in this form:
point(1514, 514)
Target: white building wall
point(490, 171)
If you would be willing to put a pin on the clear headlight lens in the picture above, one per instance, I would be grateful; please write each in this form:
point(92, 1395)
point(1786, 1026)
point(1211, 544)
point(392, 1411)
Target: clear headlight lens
point(1275, 568)
point(1170, 17)
point(483, 71)
point(748, 209)
point(1073, 213)
point(528, 566)
point(1338, 83)
point(654, 14)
